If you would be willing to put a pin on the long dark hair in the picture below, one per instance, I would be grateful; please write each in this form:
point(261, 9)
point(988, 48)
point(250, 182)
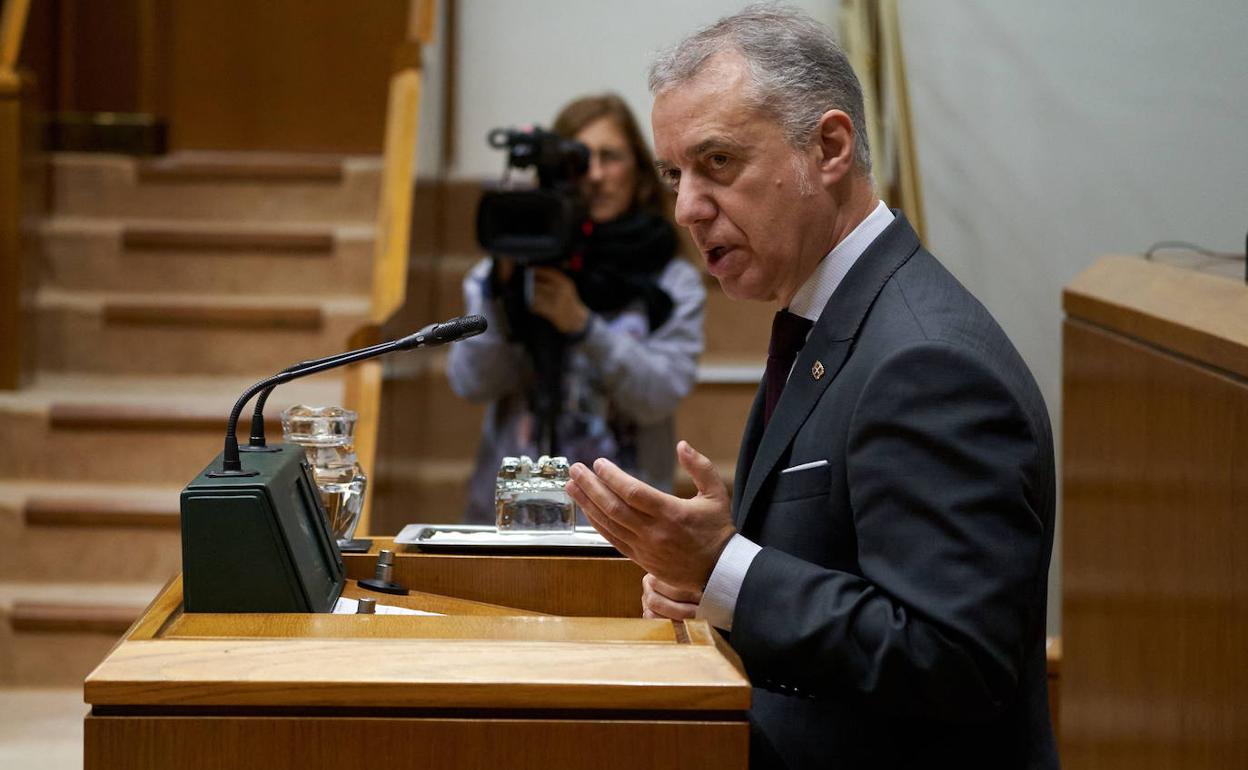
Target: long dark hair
point(649, 194)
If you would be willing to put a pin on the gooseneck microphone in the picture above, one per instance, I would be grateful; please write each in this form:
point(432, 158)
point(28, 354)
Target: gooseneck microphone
point(430, 336)
point(257, 442)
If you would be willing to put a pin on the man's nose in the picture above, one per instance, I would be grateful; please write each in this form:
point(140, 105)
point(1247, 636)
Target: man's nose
point(692, 206)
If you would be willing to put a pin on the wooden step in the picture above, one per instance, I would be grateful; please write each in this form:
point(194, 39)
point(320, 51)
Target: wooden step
point(79, 532)
point(53, 634)
point(172, 257)
point(140, 430)
point(42, 727)
point(168, 238)
point(236, 186)
point(201, 165)
point(172, 334)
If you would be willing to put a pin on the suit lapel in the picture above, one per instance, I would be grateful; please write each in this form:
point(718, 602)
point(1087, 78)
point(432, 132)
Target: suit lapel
point(745, 455)
point(830, 343)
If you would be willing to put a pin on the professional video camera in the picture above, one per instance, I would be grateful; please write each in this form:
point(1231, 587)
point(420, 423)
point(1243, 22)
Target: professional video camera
point(542, 226)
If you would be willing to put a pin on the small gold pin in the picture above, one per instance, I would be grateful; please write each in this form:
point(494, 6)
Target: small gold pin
point(816, 370)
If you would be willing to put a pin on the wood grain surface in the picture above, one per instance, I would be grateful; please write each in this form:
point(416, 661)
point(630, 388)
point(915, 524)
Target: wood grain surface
point(308, 660)
point(468, 691)
point(1155, 547)
point(417, 673)
point(296, 75)
point(584, 586)
point(310, 743)
point(1194, 315)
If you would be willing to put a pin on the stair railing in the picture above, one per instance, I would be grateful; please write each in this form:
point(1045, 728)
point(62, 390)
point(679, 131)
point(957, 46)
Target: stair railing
point(391, 248)
point(12, 280)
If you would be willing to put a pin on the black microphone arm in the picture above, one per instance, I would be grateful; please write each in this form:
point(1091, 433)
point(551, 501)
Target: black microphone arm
point(430, 336)
point(257, 442)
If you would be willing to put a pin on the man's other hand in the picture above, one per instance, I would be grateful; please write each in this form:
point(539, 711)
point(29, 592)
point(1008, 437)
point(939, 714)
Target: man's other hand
point(556, 300)
point(676, 540)
point(659, 600)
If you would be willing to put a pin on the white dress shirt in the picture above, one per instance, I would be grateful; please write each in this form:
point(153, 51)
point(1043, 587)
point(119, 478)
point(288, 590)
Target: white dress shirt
point(719, 599)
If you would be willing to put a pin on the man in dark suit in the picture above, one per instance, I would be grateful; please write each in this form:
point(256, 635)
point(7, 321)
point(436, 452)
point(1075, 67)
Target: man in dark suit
point(882, 567)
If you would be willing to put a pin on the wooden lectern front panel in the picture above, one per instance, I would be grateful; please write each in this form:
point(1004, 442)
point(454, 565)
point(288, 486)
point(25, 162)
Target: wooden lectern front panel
point(1155, 560)
point(469, 690)
point(312, 743)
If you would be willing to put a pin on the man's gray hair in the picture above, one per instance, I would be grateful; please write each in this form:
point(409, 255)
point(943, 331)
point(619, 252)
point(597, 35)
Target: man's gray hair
point(798, 70)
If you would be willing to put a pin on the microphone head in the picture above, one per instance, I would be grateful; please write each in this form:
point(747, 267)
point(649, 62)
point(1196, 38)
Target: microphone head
point(447, 331)
point(457, 329)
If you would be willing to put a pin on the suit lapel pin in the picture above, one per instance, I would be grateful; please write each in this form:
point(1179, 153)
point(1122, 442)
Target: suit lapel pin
point(816, 370)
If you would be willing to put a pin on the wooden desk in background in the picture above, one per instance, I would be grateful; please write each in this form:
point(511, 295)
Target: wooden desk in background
point(486, 686)
point(1155, 519)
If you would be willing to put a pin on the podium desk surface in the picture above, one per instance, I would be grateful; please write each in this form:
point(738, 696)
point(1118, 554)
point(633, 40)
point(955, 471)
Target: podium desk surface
point(480, 661)
point(1198, 316)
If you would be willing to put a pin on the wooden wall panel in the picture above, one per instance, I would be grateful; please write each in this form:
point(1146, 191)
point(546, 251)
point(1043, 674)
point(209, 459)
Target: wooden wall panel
point(1155, 581)
point(291, 75)
point(101, 55)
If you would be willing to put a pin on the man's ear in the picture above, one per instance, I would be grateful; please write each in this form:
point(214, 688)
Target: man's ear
point(835, 142)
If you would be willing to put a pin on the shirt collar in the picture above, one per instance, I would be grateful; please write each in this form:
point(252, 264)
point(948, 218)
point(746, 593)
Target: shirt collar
point(814, 294)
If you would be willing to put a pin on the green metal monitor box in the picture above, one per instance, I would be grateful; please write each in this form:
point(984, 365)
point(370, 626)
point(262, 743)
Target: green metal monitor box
point(258, 543)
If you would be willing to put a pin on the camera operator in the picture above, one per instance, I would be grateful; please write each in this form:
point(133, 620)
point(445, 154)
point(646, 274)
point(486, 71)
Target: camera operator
point(628, 309)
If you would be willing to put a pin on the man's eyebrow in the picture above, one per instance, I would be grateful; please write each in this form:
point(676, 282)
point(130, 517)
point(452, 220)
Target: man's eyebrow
point(706, 145)
point(713, 143)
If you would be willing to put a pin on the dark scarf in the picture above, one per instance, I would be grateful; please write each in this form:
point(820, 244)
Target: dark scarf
point(621, 263)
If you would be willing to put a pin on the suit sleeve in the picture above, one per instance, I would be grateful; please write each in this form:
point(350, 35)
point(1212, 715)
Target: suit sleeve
point(947, 477)
point(647, 377)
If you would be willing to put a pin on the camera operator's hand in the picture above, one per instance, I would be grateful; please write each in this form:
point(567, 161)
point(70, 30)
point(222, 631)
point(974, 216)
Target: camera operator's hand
point(556, 300)
point(503, 268)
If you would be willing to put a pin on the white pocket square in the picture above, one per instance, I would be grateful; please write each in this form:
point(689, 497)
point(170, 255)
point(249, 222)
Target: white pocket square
point(804, 466)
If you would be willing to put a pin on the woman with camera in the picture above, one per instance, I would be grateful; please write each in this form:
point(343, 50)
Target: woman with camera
point(625, 312)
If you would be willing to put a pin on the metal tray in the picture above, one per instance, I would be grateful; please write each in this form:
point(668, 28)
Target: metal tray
point(479, 538)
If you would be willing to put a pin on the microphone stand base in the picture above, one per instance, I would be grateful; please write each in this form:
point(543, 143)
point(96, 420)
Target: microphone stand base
point(383, 586)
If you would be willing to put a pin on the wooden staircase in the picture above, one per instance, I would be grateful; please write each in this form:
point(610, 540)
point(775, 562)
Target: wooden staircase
point(164, 289)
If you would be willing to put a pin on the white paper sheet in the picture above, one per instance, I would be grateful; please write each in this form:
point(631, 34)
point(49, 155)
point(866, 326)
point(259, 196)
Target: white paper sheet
point(347, 606)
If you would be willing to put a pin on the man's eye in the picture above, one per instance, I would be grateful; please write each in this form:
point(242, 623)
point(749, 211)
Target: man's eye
point(717, 161)
point(672, 178)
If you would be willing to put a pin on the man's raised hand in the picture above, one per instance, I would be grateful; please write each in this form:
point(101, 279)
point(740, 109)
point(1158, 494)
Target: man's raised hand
point(678, 541)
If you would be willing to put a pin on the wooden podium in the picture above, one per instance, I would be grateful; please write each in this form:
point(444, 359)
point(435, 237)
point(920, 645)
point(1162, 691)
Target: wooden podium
point(1155, 519)
point(486, 686)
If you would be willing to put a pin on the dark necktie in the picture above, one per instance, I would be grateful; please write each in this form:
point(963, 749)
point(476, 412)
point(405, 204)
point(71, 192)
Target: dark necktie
point(788, 334)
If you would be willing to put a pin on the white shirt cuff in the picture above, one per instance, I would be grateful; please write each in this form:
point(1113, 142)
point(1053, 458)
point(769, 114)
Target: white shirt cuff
point(719, 599)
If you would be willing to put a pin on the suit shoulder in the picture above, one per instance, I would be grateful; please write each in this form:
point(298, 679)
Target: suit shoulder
point(924, 303)
point(927, 300)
